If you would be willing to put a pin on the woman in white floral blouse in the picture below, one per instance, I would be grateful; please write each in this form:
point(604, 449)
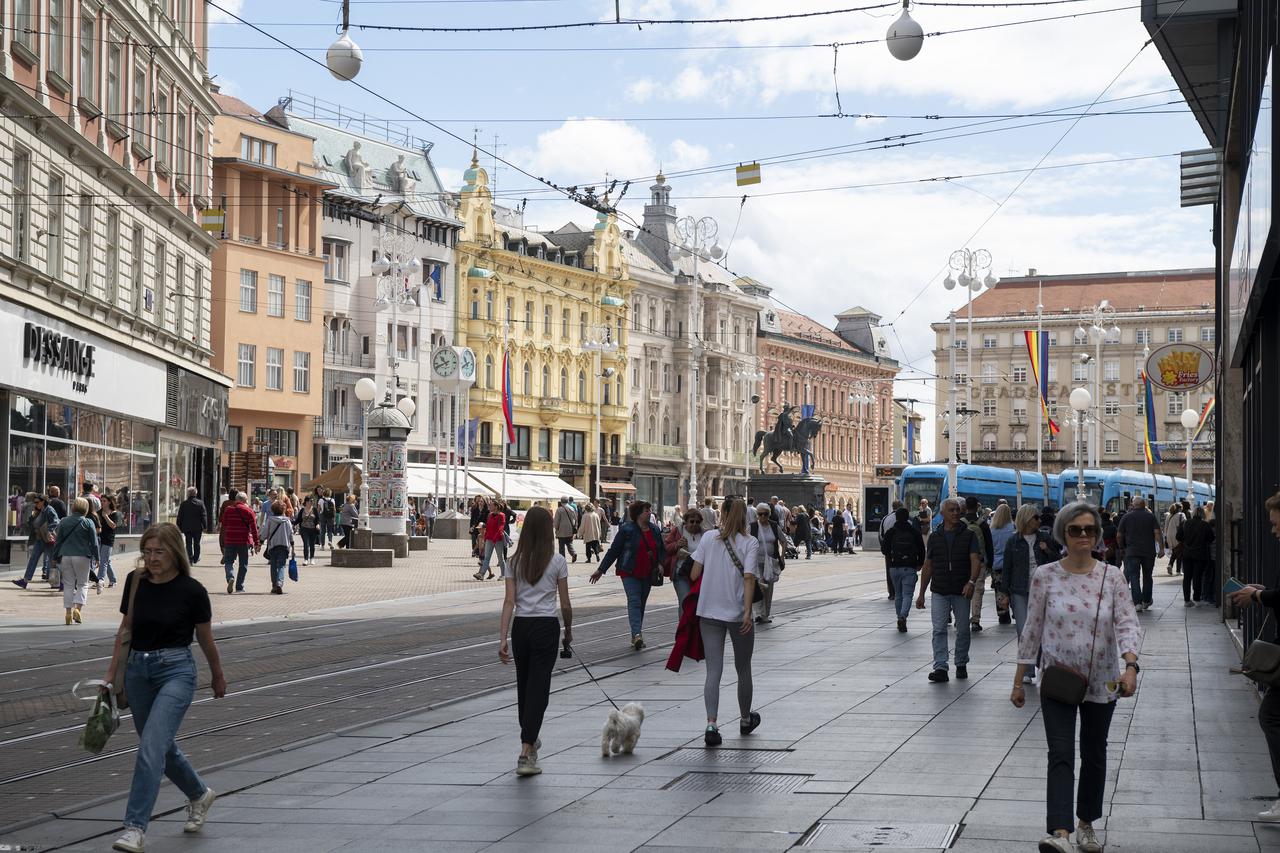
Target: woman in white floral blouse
point(1068, 598)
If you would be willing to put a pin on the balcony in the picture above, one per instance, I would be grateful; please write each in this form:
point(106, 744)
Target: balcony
point(726, 457)
point(1026, 456)
point(335, 428)
point(494, 451)
point(656, 451)
point(349, 359)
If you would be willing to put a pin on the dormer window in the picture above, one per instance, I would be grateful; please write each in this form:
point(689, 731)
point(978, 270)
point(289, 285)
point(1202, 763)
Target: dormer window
point(520, 250)
point(542, 253)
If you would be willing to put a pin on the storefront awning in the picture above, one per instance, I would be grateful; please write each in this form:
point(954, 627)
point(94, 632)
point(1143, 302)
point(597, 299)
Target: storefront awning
point(521, 485)
point(616, 487)
point(336, 478)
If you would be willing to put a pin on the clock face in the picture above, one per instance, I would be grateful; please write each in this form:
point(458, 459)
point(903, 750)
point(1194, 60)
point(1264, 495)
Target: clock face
point(468, 364)
point(445, 362)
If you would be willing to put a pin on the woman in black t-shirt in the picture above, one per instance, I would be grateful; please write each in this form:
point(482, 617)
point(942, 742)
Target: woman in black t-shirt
point(107, 519)
point(168, 610)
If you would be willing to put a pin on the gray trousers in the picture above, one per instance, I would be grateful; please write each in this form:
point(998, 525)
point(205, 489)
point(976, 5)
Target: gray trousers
point(713, 634)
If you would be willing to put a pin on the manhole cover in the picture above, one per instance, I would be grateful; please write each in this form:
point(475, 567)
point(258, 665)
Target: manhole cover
point(849, 835)
point(740, 783)
point(727, 756)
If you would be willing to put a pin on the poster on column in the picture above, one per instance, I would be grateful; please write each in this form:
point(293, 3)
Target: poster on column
point(388, 479)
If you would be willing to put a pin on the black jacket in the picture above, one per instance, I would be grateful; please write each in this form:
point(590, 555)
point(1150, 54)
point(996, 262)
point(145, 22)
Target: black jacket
point(950, 568)
point(1016, 577)
point(191, 516)
point(905, 535)
point(1197, 538)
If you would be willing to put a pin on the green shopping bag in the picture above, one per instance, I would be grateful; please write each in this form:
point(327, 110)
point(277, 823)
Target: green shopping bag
point(103, 720)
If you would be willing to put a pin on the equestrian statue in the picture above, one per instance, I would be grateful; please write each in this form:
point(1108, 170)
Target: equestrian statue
point(788, 438)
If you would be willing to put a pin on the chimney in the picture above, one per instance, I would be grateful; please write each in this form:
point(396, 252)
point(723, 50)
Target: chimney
point(1031, 272)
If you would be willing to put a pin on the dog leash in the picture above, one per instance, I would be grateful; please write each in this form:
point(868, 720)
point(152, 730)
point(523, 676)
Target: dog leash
point(567, 652)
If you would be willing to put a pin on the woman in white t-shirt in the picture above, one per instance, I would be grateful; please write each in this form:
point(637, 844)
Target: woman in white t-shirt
point(726, 562)
point(534, 577)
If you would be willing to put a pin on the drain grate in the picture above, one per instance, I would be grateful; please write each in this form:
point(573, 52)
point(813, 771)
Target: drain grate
point(727, 756)
point(850, 835)
point(740, 783)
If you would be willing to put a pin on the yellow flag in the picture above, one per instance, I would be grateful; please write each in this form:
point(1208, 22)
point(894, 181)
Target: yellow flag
point(748, 174)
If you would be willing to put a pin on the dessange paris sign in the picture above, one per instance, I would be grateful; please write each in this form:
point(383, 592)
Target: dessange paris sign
point(41, 346)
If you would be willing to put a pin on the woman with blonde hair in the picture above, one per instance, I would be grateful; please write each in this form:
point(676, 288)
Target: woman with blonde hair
point(164, 609)
point(1024, 552)
point(728, 560)
point(76, 550)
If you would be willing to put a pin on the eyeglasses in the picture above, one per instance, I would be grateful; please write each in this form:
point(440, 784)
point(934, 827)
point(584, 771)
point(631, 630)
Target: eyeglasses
point(764, 514)
point(154, 552)
point(1075, 530)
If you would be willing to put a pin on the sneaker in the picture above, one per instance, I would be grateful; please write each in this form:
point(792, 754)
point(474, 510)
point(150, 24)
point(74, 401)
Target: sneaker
point(711, 737)
point(133, 841)
point(750, 724)
point(1056, 844)
point(276, 589)
point(938, 676)
point(527, 765)
point(902, 625)
point(20, 583)
point(97, 587)
point(1086, 839)
point(1188, 604)
point(198, 811)
point(975, 627)
point(478, 576)
point(231, 585)
point(1271, 815)
point(1005, 619)
point(962, 672)
point(637, 642)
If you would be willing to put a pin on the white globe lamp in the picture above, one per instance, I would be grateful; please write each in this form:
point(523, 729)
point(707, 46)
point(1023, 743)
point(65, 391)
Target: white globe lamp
point(366, 389)
point(905, 37)
point(345, 57)
point(1190, 419)
point(407, 407)
point(1081, 399)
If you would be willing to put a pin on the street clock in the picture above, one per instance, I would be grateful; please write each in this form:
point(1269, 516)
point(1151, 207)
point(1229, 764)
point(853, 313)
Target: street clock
point(453, 368)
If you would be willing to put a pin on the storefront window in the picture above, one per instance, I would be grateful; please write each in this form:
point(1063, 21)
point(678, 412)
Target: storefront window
point(142, 493)
point(61, 421)
point(25, 475)
point(175, 469)
point(60, 468)
point(26, 415)
point(119, 434)
point(115, 471)
point(89, 468)
point(90, 427)
point(144, 438)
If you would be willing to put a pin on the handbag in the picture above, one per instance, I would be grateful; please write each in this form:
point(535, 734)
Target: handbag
point(293, 569)
point(126, 639)
point(1064, 683)
point(1262, 661)
point(758, 594)
point(104, 718)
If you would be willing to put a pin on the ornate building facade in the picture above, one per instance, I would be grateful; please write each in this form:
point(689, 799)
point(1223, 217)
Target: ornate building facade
point(805, 363)
point(556, 301)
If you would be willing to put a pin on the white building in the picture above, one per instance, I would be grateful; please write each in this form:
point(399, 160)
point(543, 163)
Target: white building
point(104, 269)
point(389, 198)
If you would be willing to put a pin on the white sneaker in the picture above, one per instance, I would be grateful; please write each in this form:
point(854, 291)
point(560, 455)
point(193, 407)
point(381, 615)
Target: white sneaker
point(1086, 839)
point(1272, 814)
point(1056, 844)
point(133, 841)
point(198, 811)
point(527, 765)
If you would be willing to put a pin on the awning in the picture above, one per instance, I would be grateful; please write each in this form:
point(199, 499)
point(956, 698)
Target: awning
point(336, 478)
point(521, 485)
point(616, 487)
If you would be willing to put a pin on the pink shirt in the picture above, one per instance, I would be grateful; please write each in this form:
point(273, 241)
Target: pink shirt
point(1060, 617)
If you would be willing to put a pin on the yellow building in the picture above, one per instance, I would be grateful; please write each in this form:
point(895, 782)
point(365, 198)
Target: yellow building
point(551, 296)
point(267, 329)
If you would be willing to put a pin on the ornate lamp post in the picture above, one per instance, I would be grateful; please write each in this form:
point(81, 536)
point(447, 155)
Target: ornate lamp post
point(1190, 419)
point(864, 393)
point(1080, 402)
point(1099, 322)
point(969, 265)
point(601, 342)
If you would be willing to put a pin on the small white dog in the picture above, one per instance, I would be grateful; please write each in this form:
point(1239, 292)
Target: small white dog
point(622, 729)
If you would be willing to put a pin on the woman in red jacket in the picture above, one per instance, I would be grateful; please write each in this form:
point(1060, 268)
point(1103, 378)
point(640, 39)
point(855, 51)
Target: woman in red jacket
point(495, 539)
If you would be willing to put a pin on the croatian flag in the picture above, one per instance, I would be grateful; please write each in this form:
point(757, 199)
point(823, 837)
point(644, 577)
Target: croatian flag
point(506, 399)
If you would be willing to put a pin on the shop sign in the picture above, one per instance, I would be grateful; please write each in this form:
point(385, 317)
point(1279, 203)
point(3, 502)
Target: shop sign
point(65, 354)
point(196, 404)
point(1180, 367)
point(284, 463)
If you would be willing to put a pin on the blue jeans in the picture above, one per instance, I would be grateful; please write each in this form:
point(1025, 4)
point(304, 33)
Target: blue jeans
point(230, 554)
point(637, 595)
point(1137, 571)
point(489, 549)
point(1018, 604)
point(904, 586)
point(160, 685)
point(277, 557)
point(940, 608)
point(105, 570)
point(38, 549)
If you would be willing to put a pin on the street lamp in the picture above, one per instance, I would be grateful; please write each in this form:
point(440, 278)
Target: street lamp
point(969, 264)
point(905, 37)
point(1190, 419)
point(864, 393)
point(696, 239)
point(1099, 322)
point(366, 389)
point(605, 343)
point(344, 56)
point(1080, 402)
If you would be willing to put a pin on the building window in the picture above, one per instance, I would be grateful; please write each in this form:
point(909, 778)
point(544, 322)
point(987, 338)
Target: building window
point(1111, 446)
point(279, 442)
point(989, 407)
point(572, 446)
point(335, 261)
point(988, 374)
point(582, 386)
point(989, 441)
point(161, 273)
point(1052, 372)
point(88, 81)
point(488, 304)
point(1019, 375)
point(1020, 415)
point(564, 324)
point(1142, 336)
point(1019, 441)
point(302, 300)
point(546, 381)
point(302, 372)
point(139, 118)
point(113, 254)
point(1079, 371)
point(1053, 338)
point(246, 365)
point(1111, 371)
point(1111, 407)
point(582, 327)
point(1080, 338)
point(1141, 408)
point(197, 164)
point(1206, 334)
point(544, 444)
point(989, 342)
point(57, 37)
point(257, 151)
point(275, 296)
point(275, 369)
point(526, 384)
point(115, 86)
point(962, 343)
point(197, 313)
point(1175, 403)
point(21, 204)
point(249, 291)
point(1174, 336)
point(1113, 336)
point(666, 378)
point(25, 23)
point(56, 189)
point(137, 268)
point(546, 320)
point(564, 384)
point(511, 308)
point(528, 317)
point(179, 298)
point(162, 128)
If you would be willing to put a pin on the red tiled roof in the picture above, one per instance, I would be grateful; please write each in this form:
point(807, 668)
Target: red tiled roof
point(799, 326)
point(1156, 291)
point(232, 106)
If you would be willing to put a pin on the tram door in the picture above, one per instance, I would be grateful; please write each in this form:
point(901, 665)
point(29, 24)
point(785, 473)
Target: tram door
point(876, 500)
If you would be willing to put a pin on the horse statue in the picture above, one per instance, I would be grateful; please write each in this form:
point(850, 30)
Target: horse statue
point(800, 439)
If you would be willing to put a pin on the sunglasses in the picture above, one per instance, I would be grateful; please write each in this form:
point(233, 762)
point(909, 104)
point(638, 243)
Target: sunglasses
point(1075, 530)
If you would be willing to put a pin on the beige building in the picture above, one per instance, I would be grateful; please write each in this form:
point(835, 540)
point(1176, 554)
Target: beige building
point(268, 330)
point(1151, 309)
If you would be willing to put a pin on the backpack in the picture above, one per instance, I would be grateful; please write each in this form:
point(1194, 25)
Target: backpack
point(902, 548)
point(327, 509)
point(975, 528)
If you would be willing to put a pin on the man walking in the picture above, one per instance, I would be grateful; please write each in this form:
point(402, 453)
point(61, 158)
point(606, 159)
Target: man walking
point(1138, 534)
point(710, 518)
point(951, 569)
point(192, 522)
point(903, 549)
point(1174, 519)
point(239, 535)
point(428, 511)
point(981, 531)
point(566, 527)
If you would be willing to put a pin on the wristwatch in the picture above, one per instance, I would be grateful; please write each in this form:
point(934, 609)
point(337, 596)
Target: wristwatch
point(1133, 665)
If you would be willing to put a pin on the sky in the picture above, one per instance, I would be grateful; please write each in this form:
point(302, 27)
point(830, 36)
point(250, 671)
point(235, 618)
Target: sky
point(860, 204)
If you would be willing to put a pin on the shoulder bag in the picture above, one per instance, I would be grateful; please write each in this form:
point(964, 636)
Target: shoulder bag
point(1065, 684)
point(737, 561)
point(126, 642)
point(1262, 660)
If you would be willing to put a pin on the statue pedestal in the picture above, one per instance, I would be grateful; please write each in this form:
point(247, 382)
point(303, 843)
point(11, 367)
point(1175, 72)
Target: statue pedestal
point(792, 489)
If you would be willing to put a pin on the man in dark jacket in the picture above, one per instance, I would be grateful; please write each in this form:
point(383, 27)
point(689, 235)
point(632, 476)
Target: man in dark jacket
point(952, 567)
point(986, 553)
point(903, 549)
point(1196, 537)
point(192, 522)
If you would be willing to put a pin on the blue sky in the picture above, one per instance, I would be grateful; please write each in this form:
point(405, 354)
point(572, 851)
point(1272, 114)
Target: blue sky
point(575, 105)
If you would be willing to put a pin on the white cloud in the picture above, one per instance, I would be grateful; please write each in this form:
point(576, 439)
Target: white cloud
point(588, 149)
point(641, 90)
point(217, 16)
point(686, 155)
